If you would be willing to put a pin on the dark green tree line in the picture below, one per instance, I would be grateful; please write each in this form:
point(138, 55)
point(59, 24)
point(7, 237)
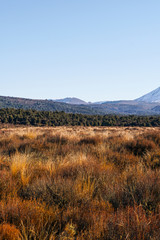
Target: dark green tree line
point(48, 118)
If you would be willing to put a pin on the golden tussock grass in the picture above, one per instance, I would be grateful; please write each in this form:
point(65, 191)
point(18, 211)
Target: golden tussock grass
point(8, 232)
point(80, 183)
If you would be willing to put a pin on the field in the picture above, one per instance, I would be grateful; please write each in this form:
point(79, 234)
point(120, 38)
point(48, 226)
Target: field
point(79, 183)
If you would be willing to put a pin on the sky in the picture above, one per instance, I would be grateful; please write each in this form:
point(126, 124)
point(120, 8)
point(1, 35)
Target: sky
point(95, 50)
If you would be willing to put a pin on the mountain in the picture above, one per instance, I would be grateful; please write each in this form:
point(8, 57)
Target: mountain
point(157, 109)
point(72, 100)
point(46, 105)
point(150, 97)
point(128, 108)
point(148, 104)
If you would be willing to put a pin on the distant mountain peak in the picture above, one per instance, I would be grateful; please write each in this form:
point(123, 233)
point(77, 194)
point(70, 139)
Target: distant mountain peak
point(71, 100)
point(151, 97)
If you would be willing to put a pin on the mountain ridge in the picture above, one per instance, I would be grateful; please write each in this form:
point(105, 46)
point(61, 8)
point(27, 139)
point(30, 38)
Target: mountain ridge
point(153, 96)
point(124, 107)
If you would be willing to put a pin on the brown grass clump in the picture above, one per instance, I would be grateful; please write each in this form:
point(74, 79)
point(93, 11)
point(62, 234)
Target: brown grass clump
point(140, 146)
point(80, 183)
point(8, 232)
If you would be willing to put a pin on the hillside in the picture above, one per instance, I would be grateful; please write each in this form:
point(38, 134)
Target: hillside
point(112, 107)
point(45, 105)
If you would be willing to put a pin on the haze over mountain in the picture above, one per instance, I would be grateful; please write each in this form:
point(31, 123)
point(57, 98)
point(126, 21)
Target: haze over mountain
point(71, 100)
point(153, 96)
point(148, 104)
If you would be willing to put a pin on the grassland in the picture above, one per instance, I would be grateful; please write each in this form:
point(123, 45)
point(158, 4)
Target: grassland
point(79, 183)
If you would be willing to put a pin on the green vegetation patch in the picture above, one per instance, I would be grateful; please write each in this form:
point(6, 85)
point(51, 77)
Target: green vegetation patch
point(48, 118)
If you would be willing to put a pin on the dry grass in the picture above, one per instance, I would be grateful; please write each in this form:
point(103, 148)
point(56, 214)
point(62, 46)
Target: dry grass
point(79, 183)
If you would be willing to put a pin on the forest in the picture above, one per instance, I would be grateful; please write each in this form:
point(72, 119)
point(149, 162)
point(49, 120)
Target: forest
point(48, 118)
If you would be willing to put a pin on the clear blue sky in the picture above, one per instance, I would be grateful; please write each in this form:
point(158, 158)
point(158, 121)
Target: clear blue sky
point(90, 49)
